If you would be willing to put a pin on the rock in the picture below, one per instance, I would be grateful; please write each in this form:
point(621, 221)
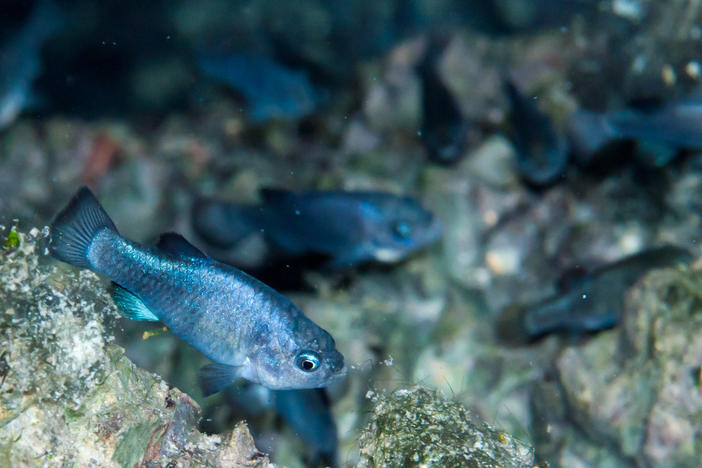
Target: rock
point(635, 390)
point(69, 397)
point(417, 427)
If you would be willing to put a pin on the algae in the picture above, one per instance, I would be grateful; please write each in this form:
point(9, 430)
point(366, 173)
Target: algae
point(417, 427)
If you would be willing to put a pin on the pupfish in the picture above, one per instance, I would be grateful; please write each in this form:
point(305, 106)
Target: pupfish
point(347, 227)
point(20, 59)
point(588, 303)
point(541, 152)
point(248, 329)
point(659, 130)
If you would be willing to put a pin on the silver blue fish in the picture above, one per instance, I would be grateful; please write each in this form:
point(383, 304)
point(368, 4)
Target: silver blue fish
point(271, 90)
point(20, 62)
point(347, 227)
point(247, 328)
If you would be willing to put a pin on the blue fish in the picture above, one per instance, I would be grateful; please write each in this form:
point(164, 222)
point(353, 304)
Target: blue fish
point(307, 412)
point(587, 303)
point(271, 90)
point(247, 328)
point(660, 131)
point(347, 227)
point(444, 131)
point(542, 153)
point(20, 60)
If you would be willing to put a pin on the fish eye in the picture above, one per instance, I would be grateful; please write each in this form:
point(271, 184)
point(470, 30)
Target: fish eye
point(402, 230)
point(307, 361)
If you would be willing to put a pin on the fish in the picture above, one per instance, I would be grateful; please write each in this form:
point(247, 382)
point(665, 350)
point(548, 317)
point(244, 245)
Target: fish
point(20, 59)
point(444, 131)
point(542, 153)
point(248, 329)
point(307, 412)
point(271, 90)
point(347, 228)
point(660, 130)
point(586, 303)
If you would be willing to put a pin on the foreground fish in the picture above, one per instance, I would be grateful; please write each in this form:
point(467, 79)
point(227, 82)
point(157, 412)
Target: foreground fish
point(660, 131)
point(250, 330)
point(590, 303)
point(20, 60)
point(271, 90)
point(542, 153)
point(347, 227)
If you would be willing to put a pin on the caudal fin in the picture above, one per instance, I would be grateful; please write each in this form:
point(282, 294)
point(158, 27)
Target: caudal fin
point(223, 224)
point(75, 227)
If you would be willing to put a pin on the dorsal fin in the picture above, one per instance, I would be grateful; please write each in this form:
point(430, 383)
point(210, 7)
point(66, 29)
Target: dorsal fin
point(176, 244)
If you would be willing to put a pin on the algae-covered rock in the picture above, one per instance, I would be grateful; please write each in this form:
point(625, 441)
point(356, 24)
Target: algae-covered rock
point(68, 397)
point(634, 391)
point(417, 427)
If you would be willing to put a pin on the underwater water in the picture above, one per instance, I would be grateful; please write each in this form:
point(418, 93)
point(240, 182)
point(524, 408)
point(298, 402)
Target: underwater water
point(324, 233)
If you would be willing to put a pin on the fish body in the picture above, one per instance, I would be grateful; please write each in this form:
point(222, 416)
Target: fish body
point(347, 227)
point(659, 131)
point(590, 303)
point(271, 90)
point(541, 152)
point(306, 411)
point(444, 131)
point(246, 327)
point(20, 61)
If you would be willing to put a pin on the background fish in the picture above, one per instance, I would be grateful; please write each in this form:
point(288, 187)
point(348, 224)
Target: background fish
point(20, 61)
point(307, 412)
point(444, 131)
point(347, 227)
point(660, 131)
point(589, 303)
point(542, 153)
point(271, 90)
point(250, 330)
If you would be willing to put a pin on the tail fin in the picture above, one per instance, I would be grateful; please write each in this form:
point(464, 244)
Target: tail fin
point(75, 227)
point(223, 224)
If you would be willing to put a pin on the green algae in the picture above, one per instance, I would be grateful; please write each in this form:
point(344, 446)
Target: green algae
point(417, 427)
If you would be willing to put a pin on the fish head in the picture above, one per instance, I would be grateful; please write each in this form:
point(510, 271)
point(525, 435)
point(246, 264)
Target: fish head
point(399, 226)
point(303, 357)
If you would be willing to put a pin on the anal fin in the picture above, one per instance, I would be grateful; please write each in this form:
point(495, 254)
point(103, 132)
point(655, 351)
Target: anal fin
point(130, 306)
point(216, 377)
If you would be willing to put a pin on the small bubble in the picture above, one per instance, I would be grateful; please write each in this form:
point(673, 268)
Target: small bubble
point(584, 296)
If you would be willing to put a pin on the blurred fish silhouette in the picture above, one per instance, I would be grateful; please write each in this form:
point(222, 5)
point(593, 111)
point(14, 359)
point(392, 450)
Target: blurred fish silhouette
point(307, 412)
point(586, 303)
point(271, 90)
point(541, 153)
point(660, 130)
point(444, 132)
point(20, 60)
point(347, 227)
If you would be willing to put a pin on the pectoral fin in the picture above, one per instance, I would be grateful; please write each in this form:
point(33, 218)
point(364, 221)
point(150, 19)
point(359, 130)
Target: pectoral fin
point(130, 306)
point(216, 377)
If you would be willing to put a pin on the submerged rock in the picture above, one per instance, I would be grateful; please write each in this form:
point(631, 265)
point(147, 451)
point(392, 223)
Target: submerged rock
point(417, 427)
point(634, 391)
point(69, 397)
